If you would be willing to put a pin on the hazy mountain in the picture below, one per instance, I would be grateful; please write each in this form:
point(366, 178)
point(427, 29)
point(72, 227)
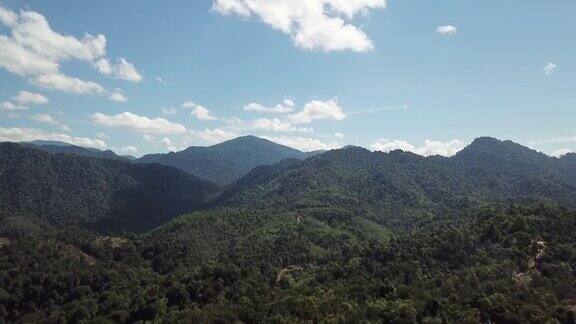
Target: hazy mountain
point(61, 147)
point(226, 162)
point(106, 194)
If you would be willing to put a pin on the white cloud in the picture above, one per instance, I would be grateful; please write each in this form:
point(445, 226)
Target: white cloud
point(199, 111)
point(169, 111)
point(276, 125)
point(47, 119)
point(339, 135)
point(58, 81)
point(8, 106)
point(102, 136)
point(149, 139)
point(282, 108)
point(33, 50)
point(16, 134)
point(233, 121)
point(139, 123)
point(305, 144)
point(122, 69)
point(318, 110)
point(161, 80)
point(44, 118)
point(167, 144)
point(118, 96)
point(447, 30)
point(30, 98)
point(317, 25)
point(561, 152)
point(215, 135)
point(429, 148)
point(126, 150)
point(550, 68)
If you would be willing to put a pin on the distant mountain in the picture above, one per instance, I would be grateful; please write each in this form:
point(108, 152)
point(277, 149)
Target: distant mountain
point(396, 184)
point(55, 147)
point(103, 194)
point(226, 162)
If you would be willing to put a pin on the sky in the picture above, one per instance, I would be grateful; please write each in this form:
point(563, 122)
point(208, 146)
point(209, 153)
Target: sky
point(143, 76)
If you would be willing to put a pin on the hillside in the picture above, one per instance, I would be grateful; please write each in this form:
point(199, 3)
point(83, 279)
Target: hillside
point(59, 147)
point(226, 162)
point(103, 194)
point(400, 186)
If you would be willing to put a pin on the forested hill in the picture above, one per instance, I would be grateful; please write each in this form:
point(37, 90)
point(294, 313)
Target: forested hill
point(57, 147)
point(104, 194)
point(399, 182)
point(226, 162)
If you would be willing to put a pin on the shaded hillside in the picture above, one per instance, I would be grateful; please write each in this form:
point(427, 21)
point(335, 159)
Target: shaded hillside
point(59, 147)
point(226, 162)
point(108, 195)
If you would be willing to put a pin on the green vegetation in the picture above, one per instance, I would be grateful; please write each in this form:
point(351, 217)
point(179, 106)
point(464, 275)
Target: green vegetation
point(103, 194)
point(346, 236)
point(226, 162)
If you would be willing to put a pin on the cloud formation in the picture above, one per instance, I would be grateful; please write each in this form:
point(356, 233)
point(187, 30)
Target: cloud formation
point(286, 106)
point(305, 144)
point(139, 123)
point(430, 147)
point(198, 111)
point(30, 98)
point(318, 110)
point(16, 134)
point(34, 51)
point(550, 68)
point(118, 96)
point(316, 25)
point(447, 30)
point(215, 135)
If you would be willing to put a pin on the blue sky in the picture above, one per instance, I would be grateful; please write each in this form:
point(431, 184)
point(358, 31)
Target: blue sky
point(380, 75)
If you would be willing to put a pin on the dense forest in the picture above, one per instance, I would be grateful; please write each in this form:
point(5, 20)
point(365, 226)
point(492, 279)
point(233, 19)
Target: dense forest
point(349, 235)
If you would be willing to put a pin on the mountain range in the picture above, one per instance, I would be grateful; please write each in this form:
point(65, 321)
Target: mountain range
point(487, 235)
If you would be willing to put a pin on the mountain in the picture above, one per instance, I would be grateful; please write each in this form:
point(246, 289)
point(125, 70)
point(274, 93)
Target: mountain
point(104, 194)
point(226, 162)
point(56, 147)
point(349, 235)
point(400, 187)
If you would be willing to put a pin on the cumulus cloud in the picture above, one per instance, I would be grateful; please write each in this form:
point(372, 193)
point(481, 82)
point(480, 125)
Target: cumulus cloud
point(126, 150)
point(550, 68)
point(447, 30)
point(122, 69)
point(61, 82)
point(8, 106)
point(215, 135)
point(47, 119)
point(139, 123)
point(16, 134)
point(167, 144)
point(276, 125)
point(282, 108)
point(118, 96)
point(30, 98)
point(34, 51)
point(339, 135)
point(316, 25)
point(169, 111)
point(305, 144)
point(198, 111)
point(430, 147)
point(318, 110)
